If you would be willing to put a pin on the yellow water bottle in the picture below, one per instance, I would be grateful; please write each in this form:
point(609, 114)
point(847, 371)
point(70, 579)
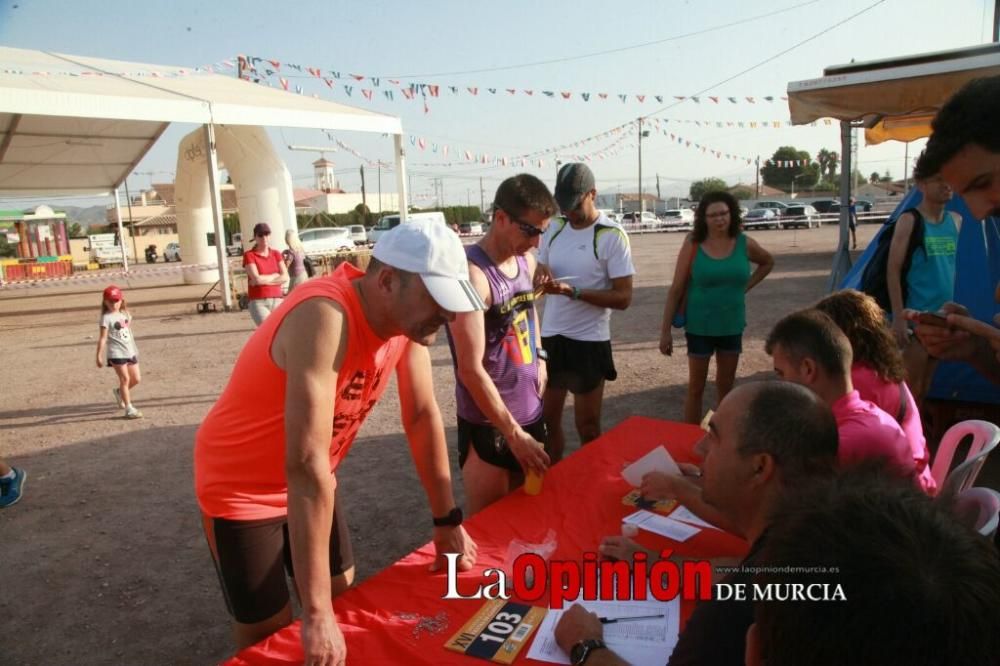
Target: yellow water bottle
point(533, 482)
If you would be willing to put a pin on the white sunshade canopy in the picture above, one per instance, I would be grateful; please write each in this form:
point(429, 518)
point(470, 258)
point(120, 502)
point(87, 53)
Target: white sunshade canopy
point(897, 98)
point(77, 125)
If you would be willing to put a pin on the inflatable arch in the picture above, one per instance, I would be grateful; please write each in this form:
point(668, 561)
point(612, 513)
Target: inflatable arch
point(263, 193)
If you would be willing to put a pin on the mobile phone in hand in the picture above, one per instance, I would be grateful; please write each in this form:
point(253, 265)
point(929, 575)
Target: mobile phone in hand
point(932, 318)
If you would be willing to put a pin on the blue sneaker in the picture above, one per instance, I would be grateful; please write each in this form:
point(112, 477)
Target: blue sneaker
point(11, 489)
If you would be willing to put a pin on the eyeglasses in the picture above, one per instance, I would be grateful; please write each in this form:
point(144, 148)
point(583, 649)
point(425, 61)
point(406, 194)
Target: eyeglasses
point(527, 229)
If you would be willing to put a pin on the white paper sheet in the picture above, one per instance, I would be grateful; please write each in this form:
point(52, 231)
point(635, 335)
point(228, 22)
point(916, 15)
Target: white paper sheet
point(657, 460)
point(683, 514)
point(639, 642)
point(652, 522)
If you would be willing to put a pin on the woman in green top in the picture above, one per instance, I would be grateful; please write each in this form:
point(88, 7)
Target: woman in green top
point(713, 275)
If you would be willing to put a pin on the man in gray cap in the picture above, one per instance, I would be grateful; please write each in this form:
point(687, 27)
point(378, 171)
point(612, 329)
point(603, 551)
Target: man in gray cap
point(265, 455)
point(585, 263)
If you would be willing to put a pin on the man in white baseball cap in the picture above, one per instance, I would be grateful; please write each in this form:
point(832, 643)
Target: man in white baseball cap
point(266, 454)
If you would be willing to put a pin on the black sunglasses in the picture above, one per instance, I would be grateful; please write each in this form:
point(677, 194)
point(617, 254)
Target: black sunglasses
point(528, 230)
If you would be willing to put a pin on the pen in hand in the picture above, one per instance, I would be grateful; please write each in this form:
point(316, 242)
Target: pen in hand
point(612, 620)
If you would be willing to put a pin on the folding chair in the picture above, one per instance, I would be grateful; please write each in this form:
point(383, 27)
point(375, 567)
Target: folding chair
point(985, 437)
point(979, 508)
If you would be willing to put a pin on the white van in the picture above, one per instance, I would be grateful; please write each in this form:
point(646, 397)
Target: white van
point(391, 221)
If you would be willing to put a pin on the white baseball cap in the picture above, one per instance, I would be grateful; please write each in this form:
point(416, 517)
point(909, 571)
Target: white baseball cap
point(434, 252)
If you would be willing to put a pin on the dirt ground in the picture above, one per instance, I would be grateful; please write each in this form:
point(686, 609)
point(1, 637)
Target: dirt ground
point(103, 560)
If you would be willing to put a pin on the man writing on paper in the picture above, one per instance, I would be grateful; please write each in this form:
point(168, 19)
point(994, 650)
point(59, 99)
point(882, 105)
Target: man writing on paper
point(766, 439)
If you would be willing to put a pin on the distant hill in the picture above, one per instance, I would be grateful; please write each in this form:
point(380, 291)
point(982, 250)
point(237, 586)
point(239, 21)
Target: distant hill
point(84, 216)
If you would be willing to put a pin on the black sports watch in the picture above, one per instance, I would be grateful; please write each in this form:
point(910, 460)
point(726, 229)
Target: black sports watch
point(453, 519)
point(542, 354)
point(581, 651)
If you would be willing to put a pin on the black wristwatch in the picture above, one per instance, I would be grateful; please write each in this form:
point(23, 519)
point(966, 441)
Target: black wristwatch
point(453, 519)
point(581, 651)
point(542, 354)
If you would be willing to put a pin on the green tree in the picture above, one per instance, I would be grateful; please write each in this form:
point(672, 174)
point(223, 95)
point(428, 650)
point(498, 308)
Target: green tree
point(874, 177)
point(776, 173)
point(76, 231)
point(742, 192)
point(886, 177)
point(700, 187)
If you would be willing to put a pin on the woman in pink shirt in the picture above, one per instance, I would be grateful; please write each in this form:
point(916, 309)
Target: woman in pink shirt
point(878, 373)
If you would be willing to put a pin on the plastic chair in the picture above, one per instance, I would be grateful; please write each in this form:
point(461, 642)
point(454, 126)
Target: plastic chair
point(985, 437)
point(979, 508)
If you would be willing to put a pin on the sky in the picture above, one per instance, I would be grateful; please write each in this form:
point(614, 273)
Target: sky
point(666, 48)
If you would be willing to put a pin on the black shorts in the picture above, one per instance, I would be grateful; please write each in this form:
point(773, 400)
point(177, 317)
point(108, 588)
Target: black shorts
point(491, 446)
point(251, 557)
point(578, 366)
point(123, 361)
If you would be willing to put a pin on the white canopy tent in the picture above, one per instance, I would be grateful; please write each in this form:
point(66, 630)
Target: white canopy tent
point(892, 99)
point(73, 125)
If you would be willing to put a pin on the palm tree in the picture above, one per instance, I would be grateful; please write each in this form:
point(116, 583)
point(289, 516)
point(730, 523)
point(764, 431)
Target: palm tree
point(833, 161)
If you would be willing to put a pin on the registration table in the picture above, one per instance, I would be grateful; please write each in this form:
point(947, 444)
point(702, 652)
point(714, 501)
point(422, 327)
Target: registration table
point(398, 616)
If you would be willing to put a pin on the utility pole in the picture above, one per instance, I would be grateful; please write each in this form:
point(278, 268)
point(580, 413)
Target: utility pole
point(642, 206)
point(468, 197)
point(906, 163)
point(757, 181)
point(658, 187)
point(380, 188)
point(482, 201)
point(996, 21)
point(364, 199)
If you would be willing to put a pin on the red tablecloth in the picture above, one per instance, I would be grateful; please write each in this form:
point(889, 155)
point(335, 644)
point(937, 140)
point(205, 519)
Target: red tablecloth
point(580, 500)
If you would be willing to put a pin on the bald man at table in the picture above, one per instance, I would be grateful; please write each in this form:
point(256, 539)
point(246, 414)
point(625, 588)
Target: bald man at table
point(766, 438)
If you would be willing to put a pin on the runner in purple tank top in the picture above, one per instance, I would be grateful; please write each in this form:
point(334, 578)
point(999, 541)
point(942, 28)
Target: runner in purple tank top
point(499, 361)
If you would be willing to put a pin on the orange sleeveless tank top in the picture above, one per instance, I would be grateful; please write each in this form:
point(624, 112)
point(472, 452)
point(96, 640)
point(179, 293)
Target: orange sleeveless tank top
point(239, 451)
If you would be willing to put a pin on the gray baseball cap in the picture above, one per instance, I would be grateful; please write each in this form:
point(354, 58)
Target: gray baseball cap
point(573, 181)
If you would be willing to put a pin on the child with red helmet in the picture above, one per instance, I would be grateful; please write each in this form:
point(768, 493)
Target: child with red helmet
point(116, 346)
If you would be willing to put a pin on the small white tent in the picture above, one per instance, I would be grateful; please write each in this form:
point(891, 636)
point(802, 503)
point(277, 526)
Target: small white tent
point(77, 125)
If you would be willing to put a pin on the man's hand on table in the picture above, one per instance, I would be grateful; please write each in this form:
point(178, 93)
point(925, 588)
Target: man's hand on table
point(322, 641)
point(660, 486)
point(577, 624)
point(623, 548)
point(453, 540)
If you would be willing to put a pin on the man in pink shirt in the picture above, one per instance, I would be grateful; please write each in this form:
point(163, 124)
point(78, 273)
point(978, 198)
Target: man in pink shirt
point(808, 348)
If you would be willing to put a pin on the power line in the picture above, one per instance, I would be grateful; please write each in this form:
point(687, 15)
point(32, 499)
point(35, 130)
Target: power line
point(774, 57)
point(608, 51)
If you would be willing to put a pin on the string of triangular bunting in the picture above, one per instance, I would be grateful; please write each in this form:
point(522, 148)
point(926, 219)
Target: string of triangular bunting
point(260, 69)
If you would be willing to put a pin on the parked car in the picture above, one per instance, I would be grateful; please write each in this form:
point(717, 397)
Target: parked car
point(640, 218)
point(777, 206)
point(864, 205)
point(800, 215)
point(678, 219)
point(172, 252)
point(470, 228)
point(391, 221)
point(826, 205)
point(763, 218)
point(359, 234)
point(321, 241)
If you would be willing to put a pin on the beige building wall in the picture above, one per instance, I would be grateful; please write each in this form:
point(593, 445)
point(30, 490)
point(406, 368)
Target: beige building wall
point(348, 201)
point(80, 247)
